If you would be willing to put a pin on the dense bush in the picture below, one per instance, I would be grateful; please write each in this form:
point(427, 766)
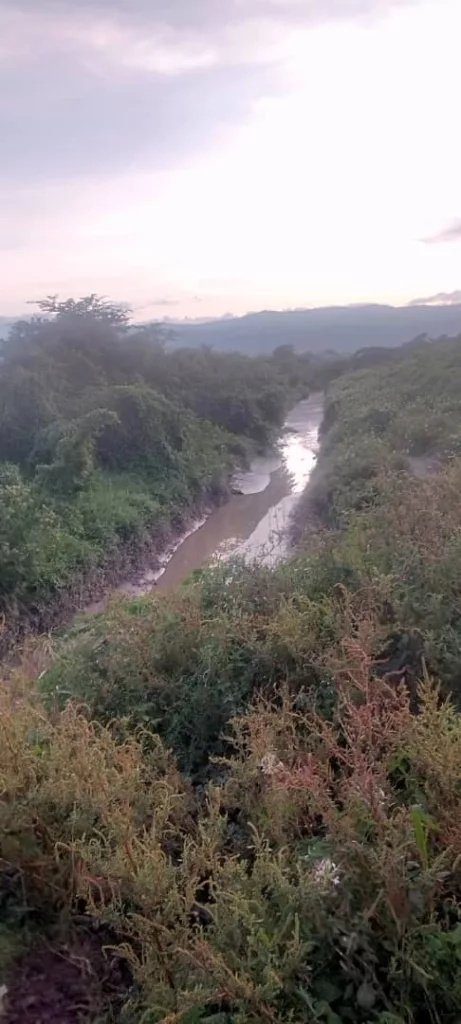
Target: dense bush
point(186, 664)
point(318, 881)
point(388, 484)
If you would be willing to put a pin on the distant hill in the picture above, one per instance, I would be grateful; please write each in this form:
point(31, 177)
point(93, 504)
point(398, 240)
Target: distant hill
point(331, 328)
point(323, 331)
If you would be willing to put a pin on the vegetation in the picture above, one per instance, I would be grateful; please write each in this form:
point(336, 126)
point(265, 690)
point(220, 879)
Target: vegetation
point(240, 802)
point(398, 531)
point(107, 438)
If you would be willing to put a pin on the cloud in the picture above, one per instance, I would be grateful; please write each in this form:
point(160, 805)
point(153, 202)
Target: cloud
point(70, 127)
point(160, 302)
point(450, 234)
point(166, 303)
point(89, 88)
point(85, 95)
point(103, 101)
point(440, 299)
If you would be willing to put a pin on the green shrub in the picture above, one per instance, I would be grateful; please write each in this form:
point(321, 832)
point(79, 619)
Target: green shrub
point(319, 880)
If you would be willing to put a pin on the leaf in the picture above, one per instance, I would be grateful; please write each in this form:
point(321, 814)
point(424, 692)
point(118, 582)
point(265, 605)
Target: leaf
point(421, 825)
point(324, 1012)
point(327, 990)
point(263, 938)
point(366, 996)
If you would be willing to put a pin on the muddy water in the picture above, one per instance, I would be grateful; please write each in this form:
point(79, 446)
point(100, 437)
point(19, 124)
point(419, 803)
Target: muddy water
point(252, 523)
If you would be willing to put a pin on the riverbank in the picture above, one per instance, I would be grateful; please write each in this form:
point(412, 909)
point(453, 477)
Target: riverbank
point(248, 514)
point(91, 588)
point(252, 521)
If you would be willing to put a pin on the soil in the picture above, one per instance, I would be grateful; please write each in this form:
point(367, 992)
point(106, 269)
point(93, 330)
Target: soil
point(422, 466)
point(64, 986)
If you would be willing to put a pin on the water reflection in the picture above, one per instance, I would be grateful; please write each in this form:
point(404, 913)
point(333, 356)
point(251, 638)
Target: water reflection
point(258, 477)
point(253, 523)
point(299, 460)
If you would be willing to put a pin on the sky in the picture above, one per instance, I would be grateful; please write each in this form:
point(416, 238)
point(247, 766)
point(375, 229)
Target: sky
point(199, 157)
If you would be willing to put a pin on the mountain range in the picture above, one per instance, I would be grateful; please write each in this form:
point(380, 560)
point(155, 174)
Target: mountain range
point(321, 330)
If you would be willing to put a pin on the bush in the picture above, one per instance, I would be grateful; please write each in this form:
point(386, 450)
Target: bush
point(319, 880)
point(186, 663)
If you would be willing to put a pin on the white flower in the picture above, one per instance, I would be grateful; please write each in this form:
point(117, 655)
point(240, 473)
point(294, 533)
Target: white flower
point(269, 764)
point(326, 872)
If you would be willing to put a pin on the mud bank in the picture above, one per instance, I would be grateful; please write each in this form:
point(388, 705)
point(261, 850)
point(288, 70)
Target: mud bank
point(248, 515)
point(91, 589)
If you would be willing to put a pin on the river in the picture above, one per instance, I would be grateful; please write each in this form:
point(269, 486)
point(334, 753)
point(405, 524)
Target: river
point(252, 523)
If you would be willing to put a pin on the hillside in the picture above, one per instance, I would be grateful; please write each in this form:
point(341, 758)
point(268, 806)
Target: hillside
point(341, 329)
point(240, 803)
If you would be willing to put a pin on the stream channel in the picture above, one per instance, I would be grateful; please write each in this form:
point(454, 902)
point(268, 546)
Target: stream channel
point(252, 523)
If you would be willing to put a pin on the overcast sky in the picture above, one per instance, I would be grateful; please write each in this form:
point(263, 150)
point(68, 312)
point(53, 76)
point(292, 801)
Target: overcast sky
point(194, 157)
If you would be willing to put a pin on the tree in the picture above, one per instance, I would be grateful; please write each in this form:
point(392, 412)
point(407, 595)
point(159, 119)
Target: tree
point(73, 462)
point(94, 307)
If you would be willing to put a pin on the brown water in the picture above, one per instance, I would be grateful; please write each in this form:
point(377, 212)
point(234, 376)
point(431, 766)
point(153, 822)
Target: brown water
point(252, 524)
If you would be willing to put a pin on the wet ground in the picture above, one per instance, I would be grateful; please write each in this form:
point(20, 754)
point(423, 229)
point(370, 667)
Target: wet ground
point(252, 523)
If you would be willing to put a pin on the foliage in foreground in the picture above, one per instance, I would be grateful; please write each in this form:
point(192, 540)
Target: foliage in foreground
point(318, 881)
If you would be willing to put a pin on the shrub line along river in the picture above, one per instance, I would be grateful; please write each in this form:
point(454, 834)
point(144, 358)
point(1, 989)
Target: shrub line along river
point(252, 523)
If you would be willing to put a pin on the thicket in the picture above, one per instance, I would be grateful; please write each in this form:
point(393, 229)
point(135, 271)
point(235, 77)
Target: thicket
point(107, 436)
point(388, 486)
point(240, 802)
